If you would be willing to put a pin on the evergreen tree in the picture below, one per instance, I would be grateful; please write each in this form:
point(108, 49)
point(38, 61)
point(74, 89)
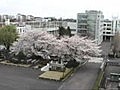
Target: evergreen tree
point(61, 31)
point(8, 35)
point(69, 31)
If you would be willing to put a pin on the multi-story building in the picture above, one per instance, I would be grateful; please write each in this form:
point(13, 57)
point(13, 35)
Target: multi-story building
point(108, 31)
point(116, 24)
point(35, 24)
point(38, 19)
point(30, 18)
point(22, 29)
point(21, 17)
point(90, 23)
point(52, 26)
point(82, 25)
point(5, 17)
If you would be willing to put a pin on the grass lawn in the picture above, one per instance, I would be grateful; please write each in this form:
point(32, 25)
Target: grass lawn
point(55, 75)
point(19, 65)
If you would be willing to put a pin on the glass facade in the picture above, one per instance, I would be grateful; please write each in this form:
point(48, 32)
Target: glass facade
point(90, 23)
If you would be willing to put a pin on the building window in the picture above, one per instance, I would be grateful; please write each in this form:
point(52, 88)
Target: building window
point(104, 24)
point(108, 24)
point(108, 28)
point(108, 32)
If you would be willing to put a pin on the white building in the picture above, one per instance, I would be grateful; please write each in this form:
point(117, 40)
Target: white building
point(90, 24)
point(23, 29)
point(21, 17)
point(116, 24)
point(5, 17)
point(7, 22)
point(108, 31)
point(52, 26)
point(29, 17)
point(35, 24)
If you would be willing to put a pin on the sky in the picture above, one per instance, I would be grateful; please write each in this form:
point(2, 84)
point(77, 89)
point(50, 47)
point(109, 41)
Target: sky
point(59, 8)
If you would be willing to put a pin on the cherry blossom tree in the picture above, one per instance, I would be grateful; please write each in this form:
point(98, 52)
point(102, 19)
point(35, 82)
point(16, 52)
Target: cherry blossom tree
point(46, 45)
point(82, 48)
point(33, 42)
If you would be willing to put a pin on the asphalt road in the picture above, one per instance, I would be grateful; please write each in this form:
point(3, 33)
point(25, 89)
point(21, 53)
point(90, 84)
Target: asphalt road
point(18, 78)
point(83, 79)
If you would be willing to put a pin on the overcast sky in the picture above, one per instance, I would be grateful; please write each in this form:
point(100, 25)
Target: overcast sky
point(59, 8)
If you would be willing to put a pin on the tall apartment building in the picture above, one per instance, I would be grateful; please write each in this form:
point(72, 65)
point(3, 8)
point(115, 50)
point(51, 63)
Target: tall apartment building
point(90, 23)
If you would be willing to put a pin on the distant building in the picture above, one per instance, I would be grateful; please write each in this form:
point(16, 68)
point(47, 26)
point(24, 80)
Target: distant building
point(5, 17)
point(72, 26)
point(21, 17)
point(30, 18)
point(38, 19)
point(22, 29)
point(90, 24)
point(50, 19)
point(7, 22)
point(52, 26)
point(35, 24)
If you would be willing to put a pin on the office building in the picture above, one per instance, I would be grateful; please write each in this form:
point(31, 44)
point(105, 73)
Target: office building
point(108, 31)
point(90, 24)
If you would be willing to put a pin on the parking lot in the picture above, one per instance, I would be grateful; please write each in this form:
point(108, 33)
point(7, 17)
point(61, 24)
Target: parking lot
point(19, 78)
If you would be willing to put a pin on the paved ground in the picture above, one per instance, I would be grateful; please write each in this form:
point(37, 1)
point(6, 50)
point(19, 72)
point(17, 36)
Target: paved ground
point(17, 78)
point(83, 79)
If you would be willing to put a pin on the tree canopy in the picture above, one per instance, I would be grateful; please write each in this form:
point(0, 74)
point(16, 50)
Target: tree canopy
point(46, 45)
point(8, 35)
point(64, 32)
